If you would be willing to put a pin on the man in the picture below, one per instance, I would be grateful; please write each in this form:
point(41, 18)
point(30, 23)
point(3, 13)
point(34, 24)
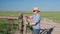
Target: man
point(34, 20)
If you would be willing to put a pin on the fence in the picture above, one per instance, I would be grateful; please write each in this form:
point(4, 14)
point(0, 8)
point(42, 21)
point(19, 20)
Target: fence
point(10, 21)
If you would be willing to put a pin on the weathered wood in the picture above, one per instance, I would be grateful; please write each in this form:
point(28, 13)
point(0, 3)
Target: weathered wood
point(25, 26)
point(25, 29)
point(9, 17)
point(20, 24)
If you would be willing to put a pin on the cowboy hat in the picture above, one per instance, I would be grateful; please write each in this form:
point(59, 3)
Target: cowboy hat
point(36, 8)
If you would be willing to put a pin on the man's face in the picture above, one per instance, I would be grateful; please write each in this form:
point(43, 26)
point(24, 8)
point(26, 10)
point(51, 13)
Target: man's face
point(35, 11)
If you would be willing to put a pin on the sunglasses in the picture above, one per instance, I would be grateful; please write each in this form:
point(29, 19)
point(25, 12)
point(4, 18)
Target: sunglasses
point(35, 10)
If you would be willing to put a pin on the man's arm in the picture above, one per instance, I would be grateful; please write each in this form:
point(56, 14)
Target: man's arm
point(27, 19)
point(37, 19)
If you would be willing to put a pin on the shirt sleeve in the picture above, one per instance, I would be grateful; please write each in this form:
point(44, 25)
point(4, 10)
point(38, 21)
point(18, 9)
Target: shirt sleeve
point(37, 18)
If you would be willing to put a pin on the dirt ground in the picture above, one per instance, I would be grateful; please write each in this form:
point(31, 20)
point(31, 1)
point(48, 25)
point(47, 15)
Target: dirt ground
point(47, 24)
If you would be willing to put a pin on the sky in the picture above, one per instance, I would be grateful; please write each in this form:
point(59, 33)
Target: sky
point(28, 5)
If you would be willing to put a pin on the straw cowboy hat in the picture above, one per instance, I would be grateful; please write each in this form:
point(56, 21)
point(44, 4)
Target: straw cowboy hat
point(36, 8)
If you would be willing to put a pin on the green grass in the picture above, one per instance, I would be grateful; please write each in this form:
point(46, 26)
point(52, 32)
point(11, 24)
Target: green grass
point(55, 16)
point(9, 13)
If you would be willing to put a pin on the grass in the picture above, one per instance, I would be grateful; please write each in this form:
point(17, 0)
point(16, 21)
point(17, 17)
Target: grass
point(55, 16)
point(9, 13)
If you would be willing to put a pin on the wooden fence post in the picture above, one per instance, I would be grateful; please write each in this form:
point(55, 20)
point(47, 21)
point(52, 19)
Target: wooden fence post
point(21, 25)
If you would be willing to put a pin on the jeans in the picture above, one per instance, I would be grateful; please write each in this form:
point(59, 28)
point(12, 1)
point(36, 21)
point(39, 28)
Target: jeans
point(36, 31)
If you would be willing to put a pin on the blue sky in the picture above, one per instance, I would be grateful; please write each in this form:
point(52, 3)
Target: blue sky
point(27, 5)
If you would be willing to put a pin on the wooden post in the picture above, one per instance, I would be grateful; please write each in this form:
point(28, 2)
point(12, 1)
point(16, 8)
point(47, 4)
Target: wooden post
point(10, 26)
point(21, 25)
point(25, 29)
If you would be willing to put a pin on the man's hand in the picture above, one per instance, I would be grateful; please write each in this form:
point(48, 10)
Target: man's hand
point(31, 22)
point(28, 17)
point(26, 23)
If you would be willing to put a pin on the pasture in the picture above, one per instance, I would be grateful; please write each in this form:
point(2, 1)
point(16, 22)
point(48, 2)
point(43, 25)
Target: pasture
point(55, 16)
